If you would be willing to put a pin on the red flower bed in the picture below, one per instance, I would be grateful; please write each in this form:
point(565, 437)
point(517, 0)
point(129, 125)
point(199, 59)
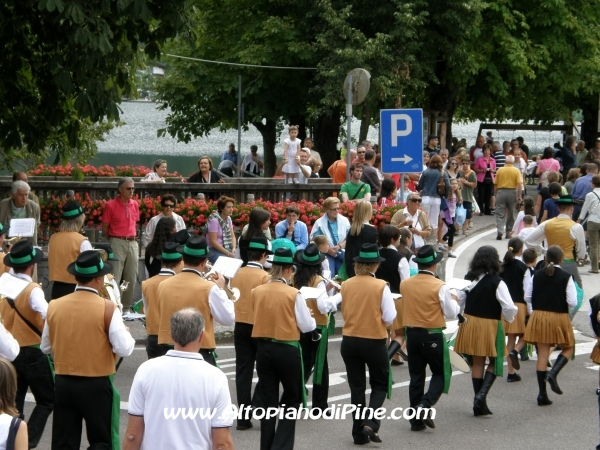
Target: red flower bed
point(91, 171)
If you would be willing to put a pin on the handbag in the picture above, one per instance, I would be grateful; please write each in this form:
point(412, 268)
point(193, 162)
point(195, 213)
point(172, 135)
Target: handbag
point(441, 186)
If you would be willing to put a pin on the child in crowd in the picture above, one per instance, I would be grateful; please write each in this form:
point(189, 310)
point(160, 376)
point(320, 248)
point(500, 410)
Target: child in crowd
point(290, 150)
point(407, 190)
point(527, 208)
point(388, 194)
point(530, 257)
point(405, 247)
point(468, 181)
point(453, 199)
point(323, 243)
point(528, 227)
point(531, 169)
point(550, 208)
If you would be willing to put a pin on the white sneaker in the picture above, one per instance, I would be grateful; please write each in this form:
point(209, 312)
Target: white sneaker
point(451, 254)
point(442, 247)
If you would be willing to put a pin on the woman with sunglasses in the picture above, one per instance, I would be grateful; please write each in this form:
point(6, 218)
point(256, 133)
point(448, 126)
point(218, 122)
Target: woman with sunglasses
point(452, 168)
point(414, 219)
point(168, 203)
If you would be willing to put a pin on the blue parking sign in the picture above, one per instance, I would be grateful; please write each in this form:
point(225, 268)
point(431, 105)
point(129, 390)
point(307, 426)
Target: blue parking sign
point(401, 140)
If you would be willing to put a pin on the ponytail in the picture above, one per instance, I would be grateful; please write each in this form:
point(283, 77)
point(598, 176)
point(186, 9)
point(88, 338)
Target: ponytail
point(550, 269)
point(515, 245)
point(554, 256)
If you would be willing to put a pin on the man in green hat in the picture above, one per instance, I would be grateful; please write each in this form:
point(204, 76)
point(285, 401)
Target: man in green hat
point(24, 317)
point(85, 332)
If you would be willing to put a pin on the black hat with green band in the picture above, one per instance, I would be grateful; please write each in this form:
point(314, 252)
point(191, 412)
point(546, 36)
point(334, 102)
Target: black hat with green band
point(89, 264)
point(310, 256)
point(259, 244)
point(427, 256)
point(71, 210)
point(369, 254)
point(180, 238)
point(283, 257)
point(23, 254)
point(195, 246)
point(108, 249)
point(170, 253)
point(3, 229)
point(564, 200)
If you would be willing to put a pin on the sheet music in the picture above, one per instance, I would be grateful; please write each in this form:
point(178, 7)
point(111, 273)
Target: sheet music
point(11, 286)
point(311, 293)
point(458, 283)
point(228, 267)
point(21, 228)
point(133, 316)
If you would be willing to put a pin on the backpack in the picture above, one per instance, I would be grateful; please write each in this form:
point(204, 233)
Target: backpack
point(441, 186)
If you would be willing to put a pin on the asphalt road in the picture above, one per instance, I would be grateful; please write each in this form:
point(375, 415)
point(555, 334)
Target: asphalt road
point(570, 423)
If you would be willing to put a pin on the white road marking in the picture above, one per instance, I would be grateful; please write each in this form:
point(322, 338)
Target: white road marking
point(451, 263)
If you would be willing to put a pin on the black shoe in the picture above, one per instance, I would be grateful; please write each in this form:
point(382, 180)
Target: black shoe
point(514, 359)
point(512, 377)
point(419, 426)
point(244, 426)
point(368, 432)
point(523, 354)
point(426, 420)
point(551, 376)
point(361, 441)
point(499, 237)
point(480, 401)
point(543, 400)
point(404, 355)
point(397, 363)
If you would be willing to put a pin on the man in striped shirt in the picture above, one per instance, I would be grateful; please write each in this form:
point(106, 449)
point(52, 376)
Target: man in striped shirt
point(498, 154)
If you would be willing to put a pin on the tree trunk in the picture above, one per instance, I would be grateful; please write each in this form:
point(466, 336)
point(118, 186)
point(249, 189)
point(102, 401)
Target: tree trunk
point(268, 131)
point(327, 130)
point(590, 129)
point(365, 121)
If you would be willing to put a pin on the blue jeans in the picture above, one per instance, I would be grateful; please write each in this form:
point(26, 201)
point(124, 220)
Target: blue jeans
point(335, 264)
point(215, 255)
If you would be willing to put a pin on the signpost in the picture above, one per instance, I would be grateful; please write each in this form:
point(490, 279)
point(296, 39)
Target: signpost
point(401, 140)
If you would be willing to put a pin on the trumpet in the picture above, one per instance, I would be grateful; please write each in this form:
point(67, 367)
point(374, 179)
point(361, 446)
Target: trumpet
point(336, 286)
point(233, 294)
point(13, 240)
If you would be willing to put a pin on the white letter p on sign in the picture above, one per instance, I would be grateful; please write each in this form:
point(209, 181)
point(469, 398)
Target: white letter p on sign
point(396, 133)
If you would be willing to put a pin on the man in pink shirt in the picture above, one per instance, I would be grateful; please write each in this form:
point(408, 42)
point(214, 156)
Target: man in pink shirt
point(119, 226)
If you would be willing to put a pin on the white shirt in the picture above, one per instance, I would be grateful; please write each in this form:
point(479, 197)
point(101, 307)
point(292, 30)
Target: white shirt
point(5, 421)
point(120, 339)
point(591, 205)
point(388, 308)
point(221, 307)
point(37, 299)
point(148, 233)
point(163, 273)
point(152, 176)
point(301, 178)
point(509, 310)
point(249, 161)
point(478, 153)
point(418, 240)
point(537, 236)
point(180, 380)
point(571, 294)
point(403, 266)
point(9, 347)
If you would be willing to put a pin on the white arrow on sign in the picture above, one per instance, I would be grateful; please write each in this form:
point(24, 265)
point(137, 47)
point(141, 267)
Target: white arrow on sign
point(405, 159)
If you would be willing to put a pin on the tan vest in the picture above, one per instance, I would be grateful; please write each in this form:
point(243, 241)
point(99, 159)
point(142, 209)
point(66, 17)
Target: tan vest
point(361, 307)
point(245, 280)
point(24, 335)
point(64, 249)
point(77, 335)
point(421, 302)
point(275, 314)
point(3, 268)
point(558, 232)
point(150, 292)
point(184, 290)
point(320, 318)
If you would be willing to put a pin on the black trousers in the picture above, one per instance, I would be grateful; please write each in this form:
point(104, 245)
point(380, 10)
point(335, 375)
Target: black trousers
point(33, 372)
point(153, 349)
point(245, 357)
point(309, 354)
point(484, 196)
point(424, 349)
point(78, 399)
point(60, 289)
point(278, 363)
point(356, 353)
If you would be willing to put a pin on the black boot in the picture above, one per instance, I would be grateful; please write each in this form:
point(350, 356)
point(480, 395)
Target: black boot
point(393, 348)
point(477, 383)
point(542, 398)
point(480, 403)
point(552, 374)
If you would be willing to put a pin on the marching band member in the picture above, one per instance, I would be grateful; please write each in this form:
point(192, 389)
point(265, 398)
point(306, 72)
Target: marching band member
point(549, 297)
point(246, 279)
point(109, 279)
point(314, 353)
point(64, 247)
point(594, 320)
point(368, 309)
point(171, 264)
point(280, 315)
point(425, 301)
point(85, 332)
point(24, 318)
point(485, 302)
point(517, 276)
point(189, 289)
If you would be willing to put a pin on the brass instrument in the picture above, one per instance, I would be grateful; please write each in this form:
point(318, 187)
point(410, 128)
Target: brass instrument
point(11, 241)
point(336, 286)
point(233, 294)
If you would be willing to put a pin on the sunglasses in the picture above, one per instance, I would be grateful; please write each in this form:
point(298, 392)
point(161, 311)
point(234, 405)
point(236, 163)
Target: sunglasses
point(454, 164)
point(168, 205)
point(419, 200)
point(361, 152)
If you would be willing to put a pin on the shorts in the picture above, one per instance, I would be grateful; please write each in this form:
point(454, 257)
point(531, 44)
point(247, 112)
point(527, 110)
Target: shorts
point(469, 207)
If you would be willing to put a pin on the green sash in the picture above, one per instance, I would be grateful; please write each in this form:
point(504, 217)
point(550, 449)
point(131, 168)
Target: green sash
point(215, 356)
point(299, 347)
point(50, 362)
point(446, 352)
point(390, 380)
point(115, 415)
point(326, 331)
point(500, 343)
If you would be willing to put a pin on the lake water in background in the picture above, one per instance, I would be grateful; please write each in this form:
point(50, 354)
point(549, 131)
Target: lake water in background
point(136, 143)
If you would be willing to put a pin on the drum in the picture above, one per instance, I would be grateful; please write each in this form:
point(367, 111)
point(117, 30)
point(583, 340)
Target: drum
point(456, 359)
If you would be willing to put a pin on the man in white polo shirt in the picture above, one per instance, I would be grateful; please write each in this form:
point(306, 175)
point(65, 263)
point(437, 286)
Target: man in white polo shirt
point(171, 396)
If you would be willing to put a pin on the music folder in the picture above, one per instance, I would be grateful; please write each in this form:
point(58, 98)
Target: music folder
point(228, 267)
point(11, 286)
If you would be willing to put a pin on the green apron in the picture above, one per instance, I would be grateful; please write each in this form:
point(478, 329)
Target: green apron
point(500, 344)
point(446, 352)
point(299, 347)
point(115, 415)
point(326, 331)
point(50, 362)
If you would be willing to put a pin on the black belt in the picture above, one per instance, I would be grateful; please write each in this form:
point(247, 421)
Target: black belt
point(579, 202)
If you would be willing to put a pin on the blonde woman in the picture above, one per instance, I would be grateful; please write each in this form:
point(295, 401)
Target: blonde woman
point(336, 227)
point(9, 416)
point(361, 232)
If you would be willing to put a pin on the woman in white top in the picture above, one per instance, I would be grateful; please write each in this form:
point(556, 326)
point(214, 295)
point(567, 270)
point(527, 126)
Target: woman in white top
point(9, 416)
point(591, 212)
point(158, 174)
point(414, 219)
point(168, 203)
